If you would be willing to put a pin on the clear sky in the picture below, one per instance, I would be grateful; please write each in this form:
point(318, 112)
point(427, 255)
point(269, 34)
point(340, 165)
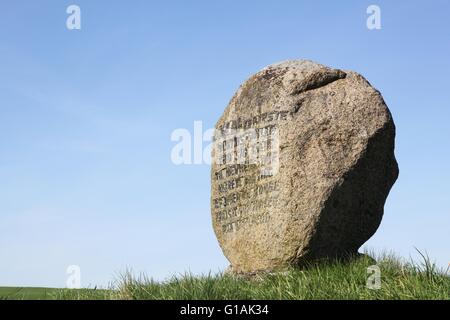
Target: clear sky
point(86, 116)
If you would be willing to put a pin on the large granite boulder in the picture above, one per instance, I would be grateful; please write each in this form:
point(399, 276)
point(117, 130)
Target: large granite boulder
point(303, 161)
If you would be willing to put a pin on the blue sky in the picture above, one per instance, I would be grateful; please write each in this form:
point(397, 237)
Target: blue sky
point(86, 117)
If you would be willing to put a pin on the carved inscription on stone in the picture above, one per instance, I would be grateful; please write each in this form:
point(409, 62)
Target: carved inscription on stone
point(246, 154)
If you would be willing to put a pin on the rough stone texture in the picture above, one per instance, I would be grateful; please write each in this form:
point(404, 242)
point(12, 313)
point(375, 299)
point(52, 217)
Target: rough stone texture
point(335, 168)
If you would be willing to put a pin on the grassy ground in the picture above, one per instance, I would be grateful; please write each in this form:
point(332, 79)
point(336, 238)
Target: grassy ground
point(24, 293)
point(326, 281)
point(18, 293)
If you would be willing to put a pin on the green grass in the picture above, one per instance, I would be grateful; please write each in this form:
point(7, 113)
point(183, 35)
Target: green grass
point(18, 293)
point(325, 281)
point(24, 293)
point(337, 280)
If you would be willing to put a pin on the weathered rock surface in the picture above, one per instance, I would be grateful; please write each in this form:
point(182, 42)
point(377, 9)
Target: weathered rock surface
point(314, 184)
